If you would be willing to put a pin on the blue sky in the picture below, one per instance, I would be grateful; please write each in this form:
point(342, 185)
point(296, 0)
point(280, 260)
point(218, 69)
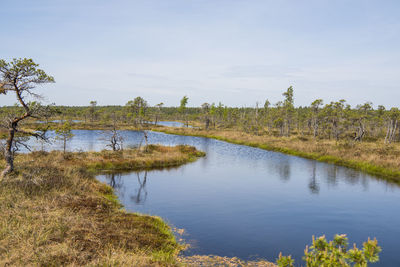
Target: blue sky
point(237, 51)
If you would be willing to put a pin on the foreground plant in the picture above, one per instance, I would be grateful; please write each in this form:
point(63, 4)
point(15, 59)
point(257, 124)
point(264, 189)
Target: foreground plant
point(335, 253)
point(21, 76)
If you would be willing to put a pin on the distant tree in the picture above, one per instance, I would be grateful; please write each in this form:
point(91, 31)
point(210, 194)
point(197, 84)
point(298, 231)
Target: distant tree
point(267, 106)
point(137, 108)
point(92, 110)
point(220, 112)
point(158, 111)
point(182, 109)
point(392, 119)
point(206, 110)
point(363, 113)
point(63, 133)
point(315, 107)
point(288, 105)
point(21, 76)
point(279, 117)
point(213, 111)
point(113, 137)
point(334, 114)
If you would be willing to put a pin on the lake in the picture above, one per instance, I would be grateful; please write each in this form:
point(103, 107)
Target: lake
point(252, 203)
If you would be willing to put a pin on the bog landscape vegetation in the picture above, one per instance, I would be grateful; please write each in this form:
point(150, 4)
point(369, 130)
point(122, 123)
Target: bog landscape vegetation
point(55, 212)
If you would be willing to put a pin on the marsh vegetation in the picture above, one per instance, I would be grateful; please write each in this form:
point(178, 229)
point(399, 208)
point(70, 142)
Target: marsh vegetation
point(58, 214)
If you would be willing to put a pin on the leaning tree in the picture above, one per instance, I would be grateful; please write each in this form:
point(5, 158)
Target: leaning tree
point(20, 77)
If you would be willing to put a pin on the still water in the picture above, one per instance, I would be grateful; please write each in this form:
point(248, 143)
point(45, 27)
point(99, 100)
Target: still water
point(251, 203)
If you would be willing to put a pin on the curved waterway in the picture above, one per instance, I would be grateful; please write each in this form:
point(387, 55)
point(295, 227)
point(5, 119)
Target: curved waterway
point(252, 203)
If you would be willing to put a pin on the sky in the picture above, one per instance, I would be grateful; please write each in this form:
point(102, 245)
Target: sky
point(237, 52)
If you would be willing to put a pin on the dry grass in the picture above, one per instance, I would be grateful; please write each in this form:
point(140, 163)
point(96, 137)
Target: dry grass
point(216, 261)
point(150, 157)
point(55, 216)
point(372, 157)
point(54, 212)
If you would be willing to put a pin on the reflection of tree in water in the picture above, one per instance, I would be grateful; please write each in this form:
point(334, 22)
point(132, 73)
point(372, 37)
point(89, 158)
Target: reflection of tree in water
point(141, 192)
point(353, 177)
point(281, 168)
point(313, 185)
point(331, 177)
point(116, 182)
point(335, 173)
point(284, 171)
point(205, 146)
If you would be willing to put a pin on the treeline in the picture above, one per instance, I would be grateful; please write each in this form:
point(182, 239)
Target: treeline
point(334, 120)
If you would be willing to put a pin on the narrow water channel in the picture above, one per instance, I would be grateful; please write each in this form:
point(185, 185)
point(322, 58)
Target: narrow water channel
point(251, 203)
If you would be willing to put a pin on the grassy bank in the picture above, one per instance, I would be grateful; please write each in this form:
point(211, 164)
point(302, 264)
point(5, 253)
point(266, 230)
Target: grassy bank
point(151, 157)
point(54, 212)
point(212, 260)
point(370, 157)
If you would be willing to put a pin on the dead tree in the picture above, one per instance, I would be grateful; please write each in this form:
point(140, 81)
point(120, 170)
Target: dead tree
point(392, 125)
point(21, 76)
point(206, 109)
point(360, 132)
point(391, 131)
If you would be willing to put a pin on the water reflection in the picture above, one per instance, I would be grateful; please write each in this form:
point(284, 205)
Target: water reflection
point(141, 192)
point(116, 181)
point(241, 201)
point(281, 168)
point(313, 185)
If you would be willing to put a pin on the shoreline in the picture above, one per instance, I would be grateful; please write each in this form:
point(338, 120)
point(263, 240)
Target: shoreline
point(55, 212)
point(379, 172)
point(86, 219)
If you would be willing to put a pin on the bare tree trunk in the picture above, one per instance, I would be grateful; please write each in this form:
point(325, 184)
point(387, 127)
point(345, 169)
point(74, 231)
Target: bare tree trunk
point(315, 126)
point(360, 132)
point(391, 132)
point(8, 154)
point(145, 140)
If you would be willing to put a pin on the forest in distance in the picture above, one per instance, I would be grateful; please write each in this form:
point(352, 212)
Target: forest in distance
point(334, 121)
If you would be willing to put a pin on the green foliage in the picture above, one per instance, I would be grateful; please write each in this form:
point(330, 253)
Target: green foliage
point(336, 253)
point(285, 261)
point(25, 71)
point(184, 102)
point(63, 133)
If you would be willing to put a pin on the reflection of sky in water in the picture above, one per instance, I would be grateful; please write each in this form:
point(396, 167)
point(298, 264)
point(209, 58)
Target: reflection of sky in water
point(171, 124)
point(248, 202)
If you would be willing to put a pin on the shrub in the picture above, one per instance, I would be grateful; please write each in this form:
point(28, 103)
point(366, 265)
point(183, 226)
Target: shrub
point(335, 253)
